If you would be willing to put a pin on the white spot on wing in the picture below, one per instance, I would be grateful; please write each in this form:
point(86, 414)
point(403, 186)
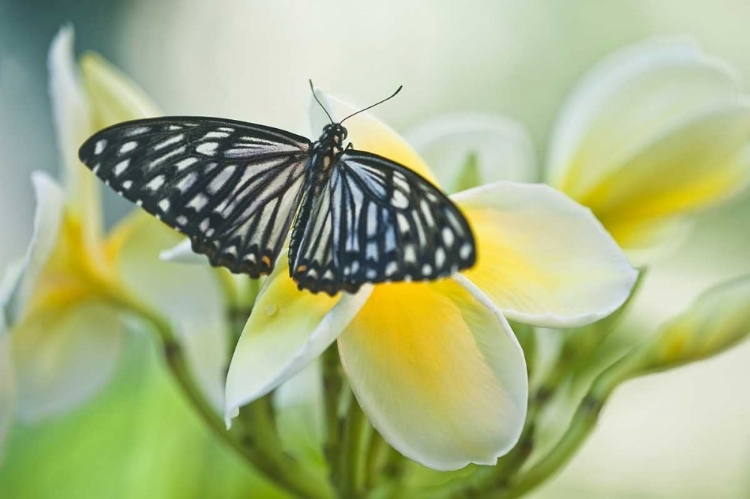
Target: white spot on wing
point(155, 183)
point(425, 207)
point(465, 251)
point(186, 182)
point(184, 163)
point(197, 203)
point(168, 142)
point(448, 237)
point(137, 131)
point(399, 200)
point(410, 254)
point(121, 167)
point(215, 135)
point(221, 179)
point(164, 205)
point(207, 148)
point(372, 251)
point(161, 159)
point(403, 223)
point(127, 184)
point(439, 257)
point(128, 146)
point(100, 146)
point(391, 269)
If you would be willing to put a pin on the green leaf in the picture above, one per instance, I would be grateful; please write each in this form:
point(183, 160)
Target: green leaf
point(139, 438)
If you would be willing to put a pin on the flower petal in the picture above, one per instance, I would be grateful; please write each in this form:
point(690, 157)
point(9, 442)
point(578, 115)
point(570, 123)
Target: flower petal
point(438, 372)
point(716, 321)
point(182, 252)
point(299, 414)
point(50, 207)
point(698, 163)
point(502, 147)
point(114, 97)
point(542, 258)
point(655, 131)
point(368, 133)
point(188, 295)
point(64, 357)
point(625, 101)
point(72, 116)
point(287, 330)
point(7, 386)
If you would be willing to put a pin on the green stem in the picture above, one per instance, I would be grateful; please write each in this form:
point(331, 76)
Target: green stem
point(282, 470)
point(581, 426)
point(377, 449)
point(333, 384)
point(256, 427)
point(583, 422)
point(351, 455)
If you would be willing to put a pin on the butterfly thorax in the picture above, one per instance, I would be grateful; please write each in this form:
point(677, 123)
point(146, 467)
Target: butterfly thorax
point(324, 152)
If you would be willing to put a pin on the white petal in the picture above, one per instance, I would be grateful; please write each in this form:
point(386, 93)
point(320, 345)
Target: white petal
point(113, 96)
point(63, 358)
point(47, 222)
point(438, 372)
point(542, 258)
point(625, 101)
point(188, 295)
point(287, 330)
point(502, 147)
point(299, 413)
point(73, 125)
point(183, 252)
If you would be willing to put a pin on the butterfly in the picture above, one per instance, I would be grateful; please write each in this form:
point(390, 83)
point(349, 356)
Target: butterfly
point(236, 188)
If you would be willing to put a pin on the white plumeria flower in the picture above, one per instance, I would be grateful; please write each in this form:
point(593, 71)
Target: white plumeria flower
point(435, 366)
point(652, 134)
point(65, 327)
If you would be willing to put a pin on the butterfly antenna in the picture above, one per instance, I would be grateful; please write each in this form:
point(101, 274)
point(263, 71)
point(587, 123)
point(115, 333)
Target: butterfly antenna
point(373, 105)
point(312, 89)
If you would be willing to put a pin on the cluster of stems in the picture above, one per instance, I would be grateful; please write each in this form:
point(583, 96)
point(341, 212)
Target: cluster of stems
point(361, 464)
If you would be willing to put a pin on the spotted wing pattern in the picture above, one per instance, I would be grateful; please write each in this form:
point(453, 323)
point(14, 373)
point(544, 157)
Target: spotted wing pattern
point(377, 221)
point(232, 187)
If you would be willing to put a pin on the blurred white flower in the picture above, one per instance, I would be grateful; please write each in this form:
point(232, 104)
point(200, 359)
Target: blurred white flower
point(654, 133)
point(651, 135)
point(435, 365)
point(64, 311)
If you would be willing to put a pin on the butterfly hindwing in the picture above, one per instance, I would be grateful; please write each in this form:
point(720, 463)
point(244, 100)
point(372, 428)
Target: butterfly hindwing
point(232, 187)
point(377, 221)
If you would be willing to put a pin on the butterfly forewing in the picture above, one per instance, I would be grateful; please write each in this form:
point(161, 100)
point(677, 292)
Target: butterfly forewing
point(232, 187)
point(383, 223)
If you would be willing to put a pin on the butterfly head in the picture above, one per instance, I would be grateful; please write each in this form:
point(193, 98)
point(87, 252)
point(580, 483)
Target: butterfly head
point(333, 134)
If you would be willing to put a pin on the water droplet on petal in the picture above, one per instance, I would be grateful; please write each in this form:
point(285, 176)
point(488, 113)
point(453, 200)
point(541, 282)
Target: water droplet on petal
point(271, 310)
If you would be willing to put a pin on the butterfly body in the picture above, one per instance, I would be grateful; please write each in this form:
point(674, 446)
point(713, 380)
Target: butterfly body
point(236, 189)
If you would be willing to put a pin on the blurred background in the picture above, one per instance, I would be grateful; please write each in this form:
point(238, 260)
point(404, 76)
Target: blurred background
point(685, 433)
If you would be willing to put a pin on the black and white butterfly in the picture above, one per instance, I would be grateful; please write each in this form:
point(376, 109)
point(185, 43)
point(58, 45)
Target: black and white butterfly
point(236, 188)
